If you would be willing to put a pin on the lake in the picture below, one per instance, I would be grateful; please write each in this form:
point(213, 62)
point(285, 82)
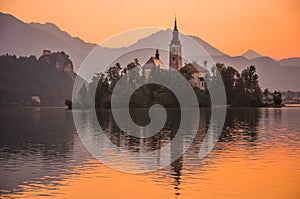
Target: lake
point(257, 156)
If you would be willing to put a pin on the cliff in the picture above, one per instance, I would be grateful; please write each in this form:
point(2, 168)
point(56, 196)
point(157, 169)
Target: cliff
point(28, 81)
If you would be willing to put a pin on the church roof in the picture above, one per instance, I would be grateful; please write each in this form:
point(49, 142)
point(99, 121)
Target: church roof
point(154, 62)
point(194, 68)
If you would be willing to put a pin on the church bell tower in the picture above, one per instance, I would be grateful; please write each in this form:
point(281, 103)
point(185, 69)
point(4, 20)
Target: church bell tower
point(175, 59)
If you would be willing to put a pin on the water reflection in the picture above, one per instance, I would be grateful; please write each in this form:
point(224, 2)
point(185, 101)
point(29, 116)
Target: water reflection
point(176, 167)
point(36, 143)
point(241, 125)
point(257, 155)
point(141, 117)
point(124, 152)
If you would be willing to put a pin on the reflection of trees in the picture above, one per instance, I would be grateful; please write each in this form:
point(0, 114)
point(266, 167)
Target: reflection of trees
point(169, 131)
point(176, 168)
point(277, 115)
point(141, 117)
point(241, 125)
point(203, 124)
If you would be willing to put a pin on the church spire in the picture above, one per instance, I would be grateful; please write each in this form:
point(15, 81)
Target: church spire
point(175, 24)
point(175, 60)
point(175, 38)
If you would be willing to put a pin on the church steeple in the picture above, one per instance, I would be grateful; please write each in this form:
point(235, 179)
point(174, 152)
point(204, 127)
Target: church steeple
point(175, 38)
point(175, 60)
point(175, 25)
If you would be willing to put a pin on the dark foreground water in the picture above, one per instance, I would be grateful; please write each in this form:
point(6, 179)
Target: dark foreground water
point(257, 156)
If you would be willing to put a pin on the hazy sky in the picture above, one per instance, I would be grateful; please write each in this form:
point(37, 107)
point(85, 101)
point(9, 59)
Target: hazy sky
point(270, 27)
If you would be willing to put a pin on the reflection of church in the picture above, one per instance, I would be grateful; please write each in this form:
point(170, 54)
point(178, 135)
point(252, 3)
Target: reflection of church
point(175, 62)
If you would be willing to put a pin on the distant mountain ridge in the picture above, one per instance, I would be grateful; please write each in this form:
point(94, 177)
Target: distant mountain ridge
point(57, 32)
point(20, 38)
point(294, 61)
point(251, 54)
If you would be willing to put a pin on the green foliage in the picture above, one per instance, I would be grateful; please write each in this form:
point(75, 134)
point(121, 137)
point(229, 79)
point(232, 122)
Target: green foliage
point(247, 92)
point(24, 77)
point(271, 99)
point(186, 73)
point(68, 103)
point(229, 75)
point(84, 100)
point(241, 89)
point(150, 94)
point(113, 75)
point(203, 97)
point(99, 90)
point(277, 98)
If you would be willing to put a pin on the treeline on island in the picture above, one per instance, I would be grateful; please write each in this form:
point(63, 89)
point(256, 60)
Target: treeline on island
point(242, 89)
point(49, 79)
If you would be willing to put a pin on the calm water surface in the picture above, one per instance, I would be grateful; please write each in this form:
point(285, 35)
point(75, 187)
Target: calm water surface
point(257, 156)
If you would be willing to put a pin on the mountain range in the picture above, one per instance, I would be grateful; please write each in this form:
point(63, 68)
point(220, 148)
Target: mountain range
point(25, 39)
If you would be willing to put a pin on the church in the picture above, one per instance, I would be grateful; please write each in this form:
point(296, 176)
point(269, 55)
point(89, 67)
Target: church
point(175, 62)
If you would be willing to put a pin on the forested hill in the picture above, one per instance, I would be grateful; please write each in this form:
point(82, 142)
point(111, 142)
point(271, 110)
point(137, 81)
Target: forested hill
point(28, 81)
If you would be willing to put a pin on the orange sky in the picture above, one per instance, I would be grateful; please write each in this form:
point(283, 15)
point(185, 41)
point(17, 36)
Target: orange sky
point(270, 27)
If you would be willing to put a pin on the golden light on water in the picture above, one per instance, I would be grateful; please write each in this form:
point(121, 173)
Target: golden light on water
point(231, 175)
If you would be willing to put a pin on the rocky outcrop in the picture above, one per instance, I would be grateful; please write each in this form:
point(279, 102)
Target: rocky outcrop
point(46, 81)
point(60, 60)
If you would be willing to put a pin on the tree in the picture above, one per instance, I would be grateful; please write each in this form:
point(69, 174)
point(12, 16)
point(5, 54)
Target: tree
point(247, 90)
point(134, 76)
point(100, 86)
point(229, 75)
point(113, 75)
point(186, 73)
point(24, 77)
point(203, 97)
point(83, 96)
point(68, 103)
point(277, 98)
